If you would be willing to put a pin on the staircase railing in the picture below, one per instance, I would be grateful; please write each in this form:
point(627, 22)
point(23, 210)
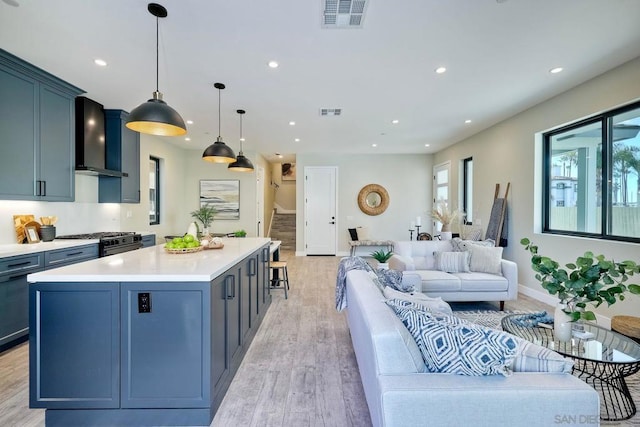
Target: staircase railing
point(273, 214)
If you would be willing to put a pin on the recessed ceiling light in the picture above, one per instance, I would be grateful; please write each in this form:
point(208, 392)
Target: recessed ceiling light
point(242, 139)
point(292, 123)
point(395, 122)
point(187, 139)
point(374, 145)
point(189, 122)
point(100, 62)
point(273, 64)
point(440, 70)
point(426, 145)
point(297, 140)
point(556, 70)
point(467, 121)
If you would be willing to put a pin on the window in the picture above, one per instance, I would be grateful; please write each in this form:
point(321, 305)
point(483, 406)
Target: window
point(591, 177)
point(154, 190)
point(467, 190)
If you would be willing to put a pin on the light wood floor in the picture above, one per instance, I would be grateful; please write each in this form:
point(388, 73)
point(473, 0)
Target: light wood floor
point(299, 371)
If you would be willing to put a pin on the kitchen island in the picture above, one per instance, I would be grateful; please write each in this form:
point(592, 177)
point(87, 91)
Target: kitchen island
point(144, 337)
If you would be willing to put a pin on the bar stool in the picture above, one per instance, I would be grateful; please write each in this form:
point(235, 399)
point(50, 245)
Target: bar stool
point(280, 275)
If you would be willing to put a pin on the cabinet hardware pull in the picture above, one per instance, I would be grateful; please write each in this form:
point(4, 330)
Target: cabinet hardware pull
point(74, 253)
point(44, 186)
point(19, 264)
point(232, 287)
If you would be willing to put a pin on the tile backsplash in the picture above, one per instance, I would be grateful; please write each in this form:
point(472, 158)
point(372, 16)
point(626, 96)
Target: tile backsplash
point(82, 216)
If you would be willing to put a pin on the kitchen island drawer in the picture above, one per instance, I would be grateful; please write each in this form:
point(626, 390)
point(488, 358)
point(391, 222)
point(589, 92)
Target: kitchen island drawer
point(60, 257)
point(21, 264)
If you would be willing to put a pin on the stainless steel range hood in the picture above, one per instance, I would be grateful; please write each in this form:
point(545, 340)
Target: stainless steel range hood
point(90, 143)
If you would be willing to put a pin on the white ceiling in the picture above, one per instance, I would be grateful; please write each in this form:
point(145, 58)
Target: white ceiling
point(498, 55)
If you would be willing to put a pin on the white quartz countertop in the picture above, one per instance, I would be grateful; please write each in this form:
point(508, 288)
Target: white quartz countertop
point(13, 249)
point(153, 264)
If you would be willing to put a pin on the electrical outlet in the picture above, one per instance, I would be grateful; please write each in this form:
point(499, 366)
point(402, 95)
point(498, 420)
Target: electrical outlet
point(129, 214)
point(144, 302)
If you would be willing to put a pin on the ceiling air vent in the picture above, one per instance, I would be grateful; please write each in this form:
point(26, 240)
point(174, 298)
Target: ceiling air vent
point(343, 13)
point(330, 111)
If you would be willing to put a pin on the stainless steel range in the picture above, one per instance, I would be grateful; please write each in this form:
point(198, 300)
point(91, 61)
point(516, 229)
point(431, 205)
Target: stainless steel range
point(111, 243)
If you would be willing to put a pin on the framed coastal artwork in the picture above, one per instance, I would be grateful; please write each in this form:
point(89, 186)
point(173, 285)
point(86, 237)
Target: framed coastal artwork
point(288, 171)
point(223, 195)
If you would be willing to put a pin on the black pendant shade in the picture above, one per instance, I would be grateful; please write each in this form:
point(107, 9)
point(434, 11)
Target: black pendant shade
point(219, 152)
point(242, 164)
point(155, 116)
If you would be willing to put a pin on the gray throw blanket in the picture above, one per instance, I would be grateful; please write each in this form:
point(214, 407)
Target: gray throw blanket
point(346, 265)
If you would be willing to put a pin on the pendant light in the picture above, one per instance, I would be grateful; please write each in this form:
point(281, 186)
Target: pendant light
point(219, 152)
point(242, 164)
point(155, 116)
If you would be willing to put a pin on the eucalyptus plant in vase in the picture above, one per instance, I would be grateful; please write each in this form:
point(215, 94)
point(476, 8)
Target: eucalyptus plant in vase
point(592, 279)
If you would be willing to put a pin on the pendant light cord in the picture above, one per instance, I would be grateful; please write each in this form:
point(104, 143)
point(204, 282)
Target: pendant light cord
point(219, 114)
point(157, 55)
point(241, 133)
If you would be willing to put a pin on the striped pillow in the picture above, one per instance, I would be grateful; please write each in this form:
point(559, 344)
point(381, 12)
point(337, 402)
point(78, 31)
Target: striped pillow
point(452, 262)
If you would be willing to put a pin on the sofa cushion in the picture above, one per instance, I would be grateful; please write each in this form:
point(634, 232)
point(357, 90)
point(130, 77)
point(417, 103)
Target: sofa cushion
point(451, 346)
point(460, 245)
point(485, 259)
point(420, 299)
point(482, 282)
point(535, 358)
point(421, 251)
point(435, 281)
point(452, 262)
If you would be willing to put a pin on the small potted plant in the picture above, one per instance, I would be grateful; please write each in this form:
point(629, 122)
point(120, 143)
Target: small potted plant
point(590, 280)
point(382, 257)
point(205, 215)
point(240, 233)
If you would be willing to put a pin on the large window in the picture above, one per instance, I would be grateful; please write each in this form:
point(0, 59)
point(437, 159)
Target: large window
point(467, 190)
point(154, 191)
point(592, 171)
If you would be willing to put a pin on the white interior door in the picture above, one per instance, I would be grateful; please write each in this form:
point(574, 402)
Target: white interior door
point(441, 175)
point(320, 209)
point(260, 201)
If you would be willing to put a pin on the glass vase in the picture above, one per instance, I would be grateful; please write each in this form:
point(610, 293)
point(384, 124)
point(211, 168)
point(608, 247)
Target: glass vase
point(562, 324)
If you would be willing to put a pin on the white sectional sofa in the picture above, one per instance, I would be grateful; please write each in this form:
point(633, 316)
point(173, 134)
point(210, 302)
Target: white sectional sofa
point(418, 257)
point(398, 394)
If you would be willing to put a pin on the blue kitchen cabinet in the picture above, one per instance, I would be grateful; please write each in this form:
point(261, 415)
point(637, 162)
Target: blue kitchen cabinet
point(37, 154)
point(67, 256)
point(14, 296)
point(74, 345)
point(165, 357)
point(122, 154)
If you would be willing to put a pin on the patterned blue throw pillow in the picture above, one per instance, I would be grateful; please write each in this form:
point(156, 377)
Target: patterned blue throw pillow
point(450, 345)
point(393, 279)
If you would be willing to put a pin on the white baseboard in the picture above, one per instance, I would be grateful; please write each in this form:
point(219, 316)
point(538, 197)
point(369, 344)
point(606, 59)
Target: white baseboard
point(551, 300)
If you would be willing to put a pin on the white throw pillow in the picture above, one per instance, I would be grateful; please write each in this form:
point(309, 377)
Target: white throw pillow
point(452, 262)
point(418, 298)
point(485, 259)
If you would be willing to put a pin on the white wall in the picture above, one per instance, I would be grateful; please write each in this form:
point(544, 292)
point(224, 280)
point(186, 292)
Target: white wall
point(406, 177)
point(285, 195)
point(197, 169)
point(172, 198)
point(506, 152)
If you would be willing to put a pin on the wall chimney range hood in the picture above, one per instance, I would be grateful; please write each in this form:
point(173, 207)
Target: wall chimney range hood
point(90, 140)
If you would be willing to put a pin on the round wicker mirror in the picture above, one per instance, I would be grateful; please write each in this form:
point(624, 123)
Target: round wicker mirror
point(373, 199)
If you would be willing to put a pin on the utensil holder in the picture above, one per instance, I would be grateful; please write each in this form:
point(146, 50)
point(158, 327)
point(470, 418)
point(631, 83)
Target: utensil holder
point(47, 233)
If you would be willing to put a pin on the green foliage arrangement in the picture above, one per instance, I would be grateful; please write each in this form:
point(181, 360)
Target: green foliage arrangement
point(240, 233)
point(381, 256)
point(591, 279)
point(205, 215)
